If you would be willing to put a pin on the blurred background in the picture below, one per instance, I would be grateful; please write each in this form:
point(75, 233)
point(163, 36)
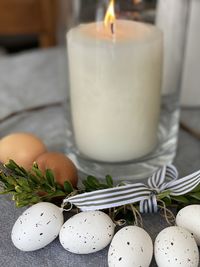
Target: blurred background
point(27, 24)
point(38, 24)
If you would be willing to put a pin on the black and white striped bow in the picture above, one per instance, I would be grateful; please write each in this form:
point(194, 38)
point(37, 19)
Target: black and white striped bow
point(163, 180)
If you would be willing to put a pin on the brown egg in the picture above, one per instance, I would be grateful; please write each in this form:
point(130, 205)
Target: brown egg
point(62, 167)
point(23, 148)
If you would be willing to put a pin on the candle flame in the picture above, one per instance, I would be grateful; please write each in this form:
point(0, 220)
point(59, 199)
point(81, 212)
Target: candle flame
point(110, 14)
point(137, 2)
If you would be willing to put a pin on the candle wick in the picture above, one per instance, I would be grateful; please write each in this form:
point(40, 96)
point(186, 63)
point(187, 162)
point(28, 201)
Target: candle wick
point(112, 28)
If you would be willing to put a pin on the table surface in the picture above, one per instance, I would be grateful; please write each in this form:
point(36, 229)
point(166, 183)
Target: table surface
point(39, 78)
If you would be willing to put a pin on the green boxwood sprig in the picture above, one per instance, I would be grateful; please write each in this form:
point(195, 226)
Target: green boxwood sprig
point(31, 187)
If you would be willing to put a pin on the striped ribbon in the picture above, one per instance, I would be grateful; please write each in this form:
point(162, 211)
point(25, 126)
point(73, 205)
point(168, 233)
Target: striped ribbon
point(164, 179)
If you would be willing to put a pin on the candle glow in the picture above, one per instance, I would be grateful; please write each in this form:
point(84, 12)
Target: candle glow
point(110, 14)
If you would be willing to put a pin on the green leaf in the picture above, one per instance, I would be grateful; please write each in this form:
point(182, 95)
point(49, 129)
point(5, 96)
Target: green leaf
point(195, 195)
point(20, 204)
point(164, 194)
point(35, 199)
point(68, 187)
point(3, 178)
point(22, 182)
point(196, 189)
point(92, 181)
point(37, 171)
point(87, 186)
point(167, 200)
point(34, 178)
point(45, 187)
point(50, 177)
point(4, 183)
point(58, 193)
point(6, 192)
point(21, 195)
point(19, 172)
point(11, 165)
point(181, 199)
point(109, 180)
point(103, 186)
point(16, 169)
point(58, 186)
point(10, 180)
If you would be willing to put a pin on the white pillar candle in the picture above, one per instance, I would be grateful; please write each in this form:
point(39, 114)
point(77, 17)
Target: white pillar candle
point(115, 89)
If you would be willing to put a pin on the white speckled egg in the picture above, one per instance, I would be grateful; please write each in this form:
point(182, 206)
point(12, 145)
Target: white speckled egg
point(87, 232)
point(175, 246)
point(131, 246)
point(37, 226)
point(189, 218)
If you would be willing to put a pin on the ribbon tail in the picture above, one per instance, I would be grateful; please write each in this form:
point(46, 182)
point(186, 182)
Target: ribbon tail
point(184, 185)
point(109, 198)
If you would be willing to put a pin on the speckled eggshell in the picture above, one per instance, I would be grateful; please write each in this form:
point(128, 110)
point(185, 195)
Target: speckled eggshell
point(38, 226)
point(189, 218)
point(175, 246)
point(87, 232)
point(131, 246)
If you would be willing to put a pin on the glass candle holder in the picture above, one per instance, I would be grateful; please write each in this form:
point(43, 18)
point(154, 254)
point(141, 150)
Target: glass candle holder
point(125, 63)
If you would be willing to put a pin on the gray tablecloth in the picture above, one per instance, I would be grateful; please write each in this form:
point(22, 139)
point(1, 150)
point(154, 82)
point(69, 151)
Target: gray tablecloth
point(38, 78)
